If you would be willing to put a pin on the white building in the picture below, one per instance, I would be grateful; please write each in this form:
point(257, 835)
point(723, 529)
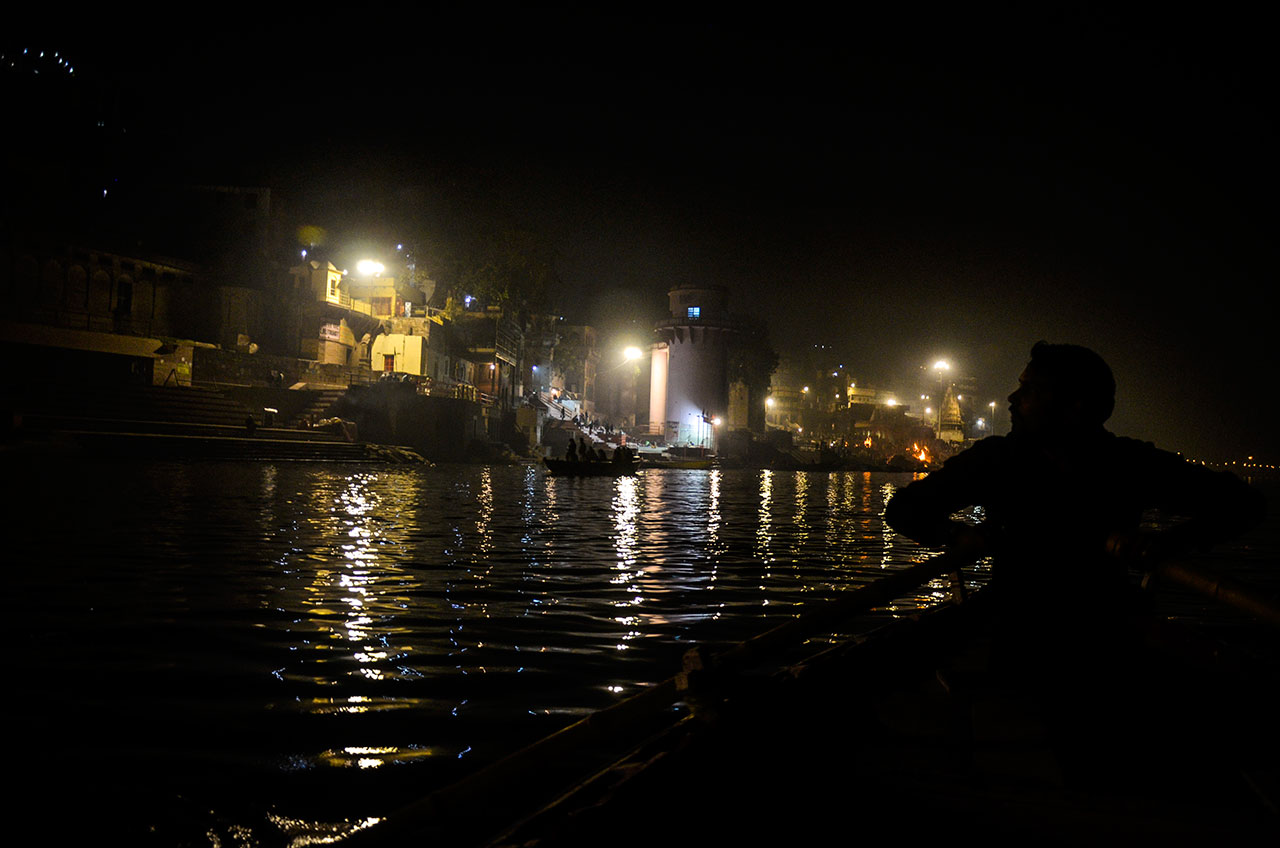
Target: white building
point(689, 390)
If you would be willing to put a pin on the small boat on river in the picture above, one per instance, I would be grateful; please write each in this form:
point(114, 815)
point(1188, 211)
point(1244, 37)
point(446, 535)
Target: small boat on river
point(695, 458)
point(577, 468)
point(686, 462)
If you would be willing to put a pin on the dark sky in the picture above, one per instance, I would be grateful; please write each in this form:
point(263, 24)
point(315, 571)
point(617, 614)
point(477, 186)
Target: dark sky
point(902, 188)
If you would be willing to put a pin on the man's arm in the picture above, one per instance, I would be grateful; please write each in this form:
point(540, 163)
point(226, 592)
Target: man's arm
point(922, 510)
point(1216, 506)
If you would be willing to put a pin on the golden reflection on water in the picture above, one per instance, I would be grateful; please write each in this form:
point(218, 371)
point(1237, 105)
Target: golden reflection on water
point(267, 513)
point(714, 545)
point(626, 508)
point(887, 536)
point(353, 591)
point(481, 559)
point(713, 513)
point(764, 520)
point(802, 513)
point(484, 520)
point(302, 833)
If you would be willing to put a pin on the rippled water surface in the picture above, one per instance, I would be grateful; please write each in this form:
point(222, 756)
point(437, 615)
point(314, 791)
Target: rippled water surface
point(227, 654)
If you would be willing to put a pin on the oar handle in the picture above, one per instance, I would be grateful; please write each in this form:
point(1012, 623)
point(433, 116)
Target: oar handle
point(1218, 587)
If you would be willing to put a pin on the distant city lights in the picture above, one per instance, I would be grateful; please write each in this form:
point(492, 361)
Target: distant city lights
point(35, 64)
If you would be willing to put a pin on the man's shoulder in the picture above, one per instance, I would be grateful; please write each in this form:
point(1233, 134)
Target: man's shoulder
point(1129, 449)
point(978, 460)
point(990, 449)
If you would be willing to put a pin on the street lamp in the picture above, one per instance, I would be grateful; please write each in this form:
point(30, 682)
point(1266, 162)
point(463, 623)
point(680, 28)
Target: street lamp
point(629, 354)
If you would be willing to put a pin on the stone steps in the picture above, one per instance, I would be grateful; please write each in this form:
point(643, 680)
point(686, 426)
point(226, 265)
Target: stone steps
point(174, 446)
point(174, 422)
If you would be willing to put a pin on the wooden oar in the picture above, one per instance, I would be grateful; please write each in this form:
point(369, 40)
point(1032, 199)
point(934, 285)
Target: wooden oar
point(1218, 587)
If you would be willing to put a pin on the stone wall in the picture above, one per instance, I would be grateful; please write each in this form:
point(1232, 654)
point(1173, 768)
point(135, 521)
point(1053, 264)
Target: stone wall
point(233, 368)
point(439, 428)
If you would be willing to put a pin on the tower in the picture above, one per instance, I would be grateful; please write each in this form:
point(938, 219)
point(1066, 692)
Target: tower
point(689, 387)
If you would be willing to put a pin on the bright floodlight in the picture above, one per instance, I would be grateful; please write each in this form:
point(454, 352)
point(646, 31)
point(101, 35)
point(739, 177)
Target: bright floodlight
point(942, 365)
point(632, 353)
point(369, 267)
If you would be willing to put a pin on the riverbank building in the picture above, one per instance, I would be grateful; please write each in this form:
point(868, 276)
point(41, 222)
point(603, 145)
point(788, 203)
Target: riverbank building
point(689, 388)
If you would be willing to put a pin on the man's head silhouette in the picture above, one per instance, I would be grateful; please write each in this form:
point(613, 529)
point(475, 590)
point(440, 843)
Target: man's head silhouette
point(1065, 389)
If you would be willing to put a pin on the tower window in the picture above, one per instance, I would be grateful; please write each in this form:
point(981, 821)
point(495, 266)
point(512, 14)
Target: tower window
point(695, 312)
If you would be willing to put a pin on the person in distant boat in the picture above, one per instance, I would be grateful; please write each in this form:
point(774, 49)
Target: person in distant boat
point(571, 452)
point(1061, 501)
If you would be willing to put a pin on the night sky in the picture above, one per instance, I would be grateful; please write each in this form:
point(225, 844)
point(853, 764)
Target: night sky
point(901, 188)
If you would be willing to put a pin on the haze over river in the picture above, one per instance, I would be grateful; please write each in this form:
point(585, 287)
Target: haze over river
point(255, 653)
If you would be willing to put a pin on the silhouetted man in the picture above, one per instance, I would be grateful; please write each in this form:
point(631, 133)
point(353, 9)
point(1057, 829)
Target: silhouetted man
point(1061, 500)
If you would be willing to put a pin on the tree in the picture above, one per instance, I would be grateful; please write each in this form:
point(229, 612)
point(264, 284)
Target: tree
point(752, 361)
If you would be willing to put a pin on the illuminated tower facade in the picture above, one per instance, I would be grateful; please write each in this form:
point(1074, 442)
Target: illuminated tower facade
point(689, 386)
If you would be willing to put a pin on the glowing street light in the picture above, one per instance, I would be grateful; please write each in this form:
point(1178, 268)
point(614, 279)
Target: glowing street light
point(369, 268)
point(632, 353)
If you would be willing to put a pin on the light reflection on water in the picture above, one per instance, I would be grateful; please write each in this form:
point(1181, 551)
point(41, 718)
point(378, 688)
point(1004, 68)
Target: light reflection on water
point(316, 620)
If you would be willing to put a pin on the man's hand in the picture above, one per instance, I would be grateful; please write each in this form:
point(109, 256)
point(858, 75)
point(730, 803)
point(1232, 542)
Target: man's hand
point(1141, 547)
point(968, 542)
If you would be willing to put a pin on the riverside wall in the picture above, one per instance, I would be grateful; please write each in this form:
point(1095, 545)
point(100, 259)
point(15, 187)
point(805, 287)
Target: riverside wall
point(440, 428)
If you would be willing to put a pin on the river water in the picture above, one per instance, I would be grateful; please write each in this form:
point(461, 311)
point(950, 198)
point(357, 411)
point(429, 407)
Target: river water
point(268, 653)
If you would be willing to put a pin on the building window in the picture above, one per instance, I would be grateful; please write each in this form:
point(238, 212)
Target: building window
point(695, 312)
point(381, 306)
